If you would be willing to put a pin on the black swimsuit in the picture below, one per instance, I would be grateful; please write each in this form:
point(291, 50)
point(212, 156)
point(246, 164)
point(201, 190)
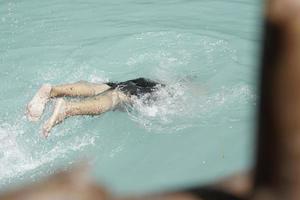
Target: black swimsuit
point(137, 87)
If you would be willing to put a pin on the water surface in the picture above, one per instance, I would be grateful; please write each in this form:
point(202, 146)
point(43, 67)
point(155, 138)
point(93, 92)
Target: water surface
point(205, 50)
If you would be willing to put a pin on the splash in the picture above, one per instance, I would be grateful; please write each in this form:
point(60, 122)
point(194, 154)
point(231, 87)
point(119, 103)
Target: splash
point(189, 64)
point(185, 105)
point(16, 161)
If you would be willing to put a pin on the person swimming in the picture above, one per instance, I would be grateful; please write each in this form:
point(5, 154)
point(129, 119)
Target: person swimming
point(100, 98)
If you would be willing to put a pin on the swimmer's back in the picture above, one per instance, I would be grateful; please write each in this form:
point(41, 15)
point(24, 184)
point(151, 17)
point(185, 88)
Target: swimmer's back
point(137, 87)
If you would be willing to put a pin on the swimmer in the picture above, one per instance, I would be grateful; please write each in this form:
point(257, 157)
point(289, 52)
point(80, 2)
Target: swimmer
point(100, 98)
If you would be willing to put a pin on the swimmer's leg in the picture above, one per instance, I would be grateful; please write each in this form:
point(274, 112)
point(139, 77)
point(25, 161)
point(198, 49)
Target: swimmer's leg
point(36, 106)
point(91, 106)
point(81, 88)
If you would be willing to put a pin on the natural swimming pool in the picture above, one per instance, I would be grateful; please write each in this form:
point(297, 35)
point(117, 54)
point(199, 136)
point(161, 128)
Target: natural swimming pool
point(206, 50)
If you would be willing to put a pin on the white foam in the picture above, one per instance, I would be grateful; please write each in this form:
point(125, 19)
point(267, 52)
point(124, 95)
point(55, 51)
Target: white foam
point(188, 64)
point(16, 161)
point(178, 107)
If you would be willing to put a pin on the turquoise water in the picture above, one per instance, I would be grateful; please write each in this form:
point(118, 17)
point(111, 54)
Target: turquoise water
point(205, 50)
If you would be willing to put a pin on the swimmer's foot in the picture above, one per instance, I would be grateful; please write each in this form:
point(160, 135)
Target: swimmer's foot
point(59, 114)
point(36, 106)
